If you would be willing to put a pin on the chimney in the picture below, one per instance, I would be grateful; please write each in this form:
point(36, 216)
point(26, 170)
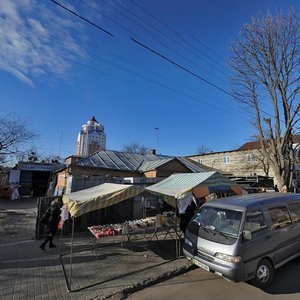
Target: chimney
point(152, 151)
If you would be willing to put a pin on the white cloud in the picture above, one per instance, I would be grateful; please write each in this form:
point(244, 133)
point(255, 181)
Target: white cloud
point(34, 40)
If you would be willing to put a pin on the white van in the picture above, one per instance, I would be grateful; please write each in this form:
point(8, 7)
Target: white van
point(245, 237)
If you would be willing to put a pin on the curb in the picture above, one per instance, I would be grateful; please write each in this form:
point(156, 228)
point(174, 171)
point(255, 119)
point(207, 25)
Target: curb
point(124, 293)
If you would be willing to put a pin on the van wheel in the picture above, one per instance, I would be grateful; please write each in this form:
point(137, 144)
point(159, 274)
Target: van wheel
point(264, 274)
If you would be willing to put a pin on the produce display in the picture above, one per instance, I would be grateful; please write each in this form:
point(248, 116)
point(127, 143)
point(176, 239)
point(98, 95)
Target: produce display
point(101, 231)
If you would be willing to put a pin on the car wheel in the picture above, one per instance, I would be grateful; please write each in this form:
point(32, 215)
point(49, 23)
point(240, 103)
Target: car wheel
point(264, 274)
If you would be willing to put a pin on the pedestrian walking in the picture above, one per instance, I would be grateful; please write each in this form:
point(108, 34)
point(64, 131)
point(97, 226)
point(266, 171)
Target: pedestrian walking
point(53, 213)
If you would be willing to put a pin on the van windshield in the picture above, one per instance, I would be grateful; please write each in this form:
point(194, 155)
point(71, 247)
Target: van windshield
point(222, 221)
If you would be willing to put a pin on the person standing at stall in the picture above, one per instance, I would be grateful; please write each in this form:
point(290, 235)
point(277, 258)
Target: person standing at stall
point(188, 214)
point(52, 223)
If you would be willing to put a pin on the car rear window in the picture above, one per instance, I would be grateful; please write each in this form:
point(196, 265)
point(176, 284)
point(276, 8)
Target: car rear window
point(279, 216)
point(294, 211)
point(255, 221)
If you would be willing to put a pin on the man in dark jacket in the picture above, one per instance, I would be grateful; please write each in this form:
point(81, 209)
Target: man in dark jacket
point(53, 221)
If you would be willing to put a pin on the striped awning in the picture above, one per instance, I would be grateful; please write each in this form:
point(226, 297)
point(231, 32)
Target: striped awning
point(98, 197)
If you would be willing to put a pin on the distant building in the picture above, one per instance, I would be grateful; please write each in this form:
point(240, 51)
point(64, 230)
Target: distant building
point(91, 138)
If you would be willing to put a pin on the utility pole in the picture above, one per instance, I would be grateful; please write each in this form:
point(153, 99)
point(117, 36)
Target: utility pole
point(60, 143)
point(157, 135)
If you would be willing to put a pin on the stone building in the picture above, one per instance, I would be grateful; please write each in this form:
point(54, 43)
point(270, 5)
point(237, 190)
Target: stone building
point(91, 138)
point(246, 161)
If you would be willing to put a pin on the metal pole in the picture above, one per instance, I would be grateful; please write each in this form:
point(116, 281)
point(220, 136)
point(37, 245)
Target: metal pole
point(71, 253)
point(156, 128)
point(144, 207)
point(60, 239)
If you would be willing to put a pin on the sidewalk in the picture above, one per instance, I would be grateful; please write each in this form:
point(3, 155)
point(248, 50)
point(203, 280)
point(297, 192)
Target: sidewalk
point(29, 273)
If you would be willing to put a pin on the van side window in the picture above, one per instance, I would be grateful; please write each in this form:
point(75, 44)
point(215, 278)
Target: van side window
point(280, 217)
point(295, 211)
point(254, 221)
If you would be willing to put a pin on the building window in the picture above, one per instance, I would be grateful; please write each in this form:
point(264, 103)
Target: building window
point(226, 159)
point(250, 157)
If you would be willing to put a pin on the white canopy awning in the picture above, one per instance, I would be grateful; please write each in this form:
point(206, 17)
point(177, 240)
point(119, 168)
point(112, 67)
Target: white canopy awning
point(177, 186)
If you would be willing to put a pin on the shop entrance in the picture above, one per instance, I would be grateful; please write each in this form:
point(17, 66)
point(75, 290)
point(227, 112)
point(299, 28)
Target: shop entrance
point(34, 183)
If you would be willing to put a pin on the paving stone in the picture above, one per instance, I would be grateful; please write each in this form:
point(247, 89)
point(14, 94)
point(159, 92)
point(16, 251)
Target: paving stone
point(26, 272)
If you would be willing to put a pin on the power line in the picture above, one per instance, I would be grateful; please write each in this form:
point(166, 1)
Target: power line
point(106, 16)
point(153, 36)
point(132, 72)
point(208, 48)
point(133, 83)
point(174, 63)
point(82, 18)
point(171, 61)
point(142, 75)
point(181, 38)
point(193, 74)
point(143, 68)
point(178, 34)
point(156, 82)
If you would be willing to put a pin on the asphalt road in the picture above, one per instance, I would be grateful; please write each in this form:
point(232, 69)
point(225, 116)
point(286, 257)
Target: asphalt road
point(199, 284)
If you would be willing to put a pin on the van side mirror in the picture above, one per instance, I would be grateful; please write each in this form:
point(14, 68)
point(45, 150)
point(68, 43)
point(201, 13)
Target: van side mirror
point(247, 235)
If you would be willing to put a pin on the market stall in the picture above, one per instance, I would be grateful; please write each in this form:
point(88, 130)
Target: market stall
point(95, 198)
point(99, 197)
point(159, 227)
point(124, 230)
point(181, 191)
point(177, 188)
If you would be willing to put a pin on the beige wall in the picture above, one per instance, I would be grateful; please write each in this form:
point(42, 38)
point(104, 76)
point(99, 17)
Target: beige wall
point(238, 164)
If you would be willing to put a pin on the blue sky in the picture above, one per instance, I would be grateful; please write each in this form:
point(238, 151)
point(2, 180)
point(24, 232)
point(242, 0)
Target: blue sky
point(57, 71)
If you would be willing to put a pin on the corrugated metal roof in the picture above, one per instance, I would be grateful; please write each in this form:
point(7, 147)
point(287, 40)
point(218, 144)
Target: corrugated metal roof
point(152, 165)
point(194, 166)
point(124, 161)
point(116, 160)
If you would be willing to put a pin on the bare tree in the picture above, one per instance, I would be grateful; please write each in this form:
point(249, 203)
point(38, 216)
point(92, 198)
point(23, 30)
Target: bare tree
point(266, 60)
point(203, 149)
point(14, 134)
point(256, 163)
point(135, 148)
point(54, 159)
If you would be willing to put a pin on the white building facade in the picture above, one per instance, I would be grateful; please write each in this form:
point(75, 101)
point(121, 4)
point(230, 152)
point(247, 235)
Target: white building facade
point(91, 138)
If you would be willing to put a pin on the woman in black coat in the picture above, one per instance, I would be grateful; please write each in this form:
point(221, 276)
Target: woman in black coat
point(54, 218)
